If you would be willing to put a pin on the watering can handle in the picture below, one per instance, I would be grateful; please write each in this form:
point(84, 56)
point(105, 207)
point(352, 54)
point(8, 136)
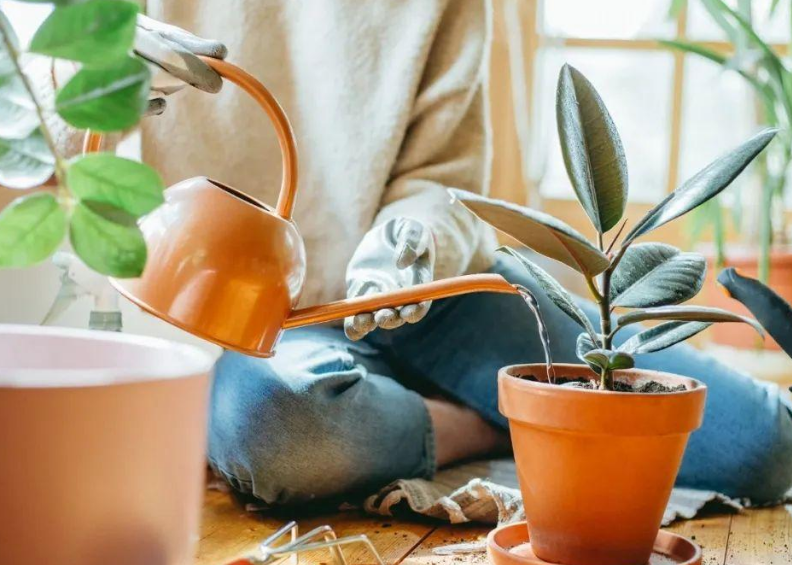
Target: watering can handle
point(266, 100)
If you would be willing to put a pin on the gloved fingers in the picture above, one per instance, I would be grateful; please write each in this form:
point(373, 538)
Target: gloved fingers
point(177, 61)
point(413, 313)
point(191, 42)
point(388, 318)
point(356, 327)
point(412, 241)
point(156, 106)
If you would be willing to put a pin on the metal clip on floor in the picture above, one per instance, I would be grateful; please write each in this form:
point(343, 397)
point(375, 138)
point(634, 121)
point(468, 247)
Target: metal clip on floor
point(322, 537)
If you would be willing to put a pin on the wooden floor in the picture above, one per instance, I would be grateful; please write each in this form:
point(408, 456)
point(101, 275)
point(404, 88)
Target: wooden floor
point(754, 537)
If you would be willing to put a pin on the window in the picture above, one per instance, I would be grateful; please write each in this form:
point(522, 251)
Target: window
point(675, 112)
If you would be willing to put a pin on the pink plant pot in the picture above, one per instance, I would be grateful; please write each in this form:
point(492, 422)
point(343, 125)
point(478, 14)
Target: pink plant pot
point(102, 443)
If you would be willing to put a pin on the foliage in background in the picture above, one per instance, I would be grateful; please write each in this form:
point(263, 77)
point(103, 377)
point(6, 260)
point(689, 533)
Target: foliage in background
point(650, 278)
point(97, 197)
point(770, 77)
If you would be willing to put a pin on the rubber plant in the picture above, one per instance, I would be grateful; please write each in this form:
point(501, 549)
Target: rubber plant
point(652, 279)
point(769, 76)
point(96, 198)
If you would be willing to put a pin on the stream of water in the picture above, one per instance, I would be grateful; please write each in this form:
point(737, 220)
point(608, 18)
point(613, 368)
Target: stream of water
point(530, 300)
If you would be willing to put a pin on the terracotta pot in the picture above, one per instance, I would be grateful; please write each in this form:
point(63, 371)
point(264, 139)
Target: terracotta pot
point(746, 260)
point(596, 468)
point(102, 437)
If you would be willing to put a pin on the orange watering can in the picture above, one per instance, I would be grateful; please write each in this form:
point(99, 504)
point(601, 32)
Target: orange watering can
point(230, 269)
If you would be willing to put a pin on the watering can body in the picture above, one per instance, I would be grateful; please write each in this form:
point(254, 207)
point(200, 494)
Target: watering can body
point(230, 269)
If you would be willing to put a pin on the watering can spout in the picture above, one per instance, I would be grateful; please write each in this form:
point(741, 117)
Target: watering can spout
point(444, 288)
point(230, 269)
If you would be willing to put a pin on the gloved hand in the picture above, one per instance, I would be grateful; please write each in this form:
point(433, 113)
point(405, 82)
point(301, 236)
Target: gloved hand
point(176, 51)
point(396, 254)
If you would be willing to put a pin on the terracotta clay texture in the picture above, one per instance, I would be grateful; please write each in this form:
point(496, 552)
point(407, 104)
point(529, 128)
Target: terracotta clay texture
point(596, 468)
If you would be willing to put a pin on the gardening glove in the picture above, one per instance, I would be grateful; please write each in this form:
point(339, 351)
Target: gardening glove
point(175, 51)
point(397, 254)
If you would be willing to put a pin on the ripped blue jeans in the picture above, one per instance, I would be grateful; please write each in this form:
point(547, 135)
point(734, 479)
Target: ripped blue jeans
point(327, 417)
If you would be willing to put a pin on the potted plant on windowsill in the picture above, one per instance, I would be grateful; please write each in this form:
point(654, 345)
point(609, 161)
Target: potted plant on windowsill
point(763, 248)
point(598, 445)
point(102, 433)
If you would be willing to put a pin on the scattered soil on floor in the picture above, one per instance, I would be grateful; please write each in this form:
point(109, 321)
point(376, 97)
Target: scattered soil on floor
point(640, 387)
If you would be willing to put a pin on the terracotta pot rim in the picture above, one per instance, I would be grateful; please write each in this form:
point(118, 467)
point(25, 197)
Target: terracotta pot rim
point(598, 412)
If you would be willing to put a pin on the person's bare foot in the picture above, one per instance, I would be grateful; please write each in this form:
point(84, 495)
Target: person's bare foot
point(460, 433)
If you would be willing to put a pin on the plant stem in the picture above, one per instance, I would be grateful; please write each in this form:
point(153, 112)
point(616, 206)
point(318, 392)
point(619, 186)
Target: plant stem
point(60, 167)
point(606, 378)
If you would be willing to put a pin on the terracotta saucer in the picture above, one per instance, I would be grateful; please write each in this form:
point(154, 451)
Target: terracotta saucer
point(510, 545)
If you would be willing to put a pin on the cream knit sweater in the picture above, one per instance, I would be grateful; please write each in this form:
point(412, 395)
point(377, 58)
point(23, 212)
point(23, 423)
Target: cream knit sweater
point(386, 98)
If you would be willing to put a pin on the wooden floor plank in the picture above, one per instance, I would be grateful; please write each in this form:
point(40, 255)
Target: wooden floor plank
point(229, 532)
point(447, 535)
point(761, 537)
point(710, 532)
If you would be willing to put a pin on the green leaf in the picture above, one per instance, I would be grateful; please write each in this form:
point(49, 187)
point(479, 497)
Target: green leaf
point(696, 49)
point(703, 185)
point(609, 360)
point(110, 99)
point(656, 274)
point(686, 313)
point(585, 344)
point(554, 291)
point(25, 163)
point(96, 32)
point(107, 239)
point(662, 336)
point(593, 152)
point(31, 228)
point(129, 185)
point(541, 232)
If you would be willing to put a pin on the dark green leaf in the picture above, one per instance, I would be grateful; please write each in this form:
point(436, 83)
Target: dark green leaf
point(96, 32)
point(656, 274)
point(703, 185)
point(110, 99)
point(102, 177)
point(557, 293)
point(107, 239)
point(686, 313)
point(592, 149)
point(541, 232)
point(31, 228)
point(585, 344)
point(25, 163)
point(609, 360)
point(662, 336)
point(772, 311)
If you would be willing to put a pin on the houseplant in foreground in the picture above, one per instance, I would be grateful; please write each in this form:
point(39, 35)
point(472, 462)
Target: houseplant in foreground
point(611, 437)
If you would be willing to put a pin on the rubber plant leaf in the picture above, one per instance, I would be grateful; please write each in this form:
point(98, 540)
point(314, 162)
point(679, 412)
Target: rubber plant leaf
point(554, 291)
point(95, 33)
point(25, 163)
point(31, 228)
point(688, 314)
point(704, 185)
point(772, 311)
point(662, 336)
point(592, 150)
point(107, 239)
point(656, 274)
point(542, 233)
point(609, 360)
point(110, 99)
point(584, 345)
point(129, 185)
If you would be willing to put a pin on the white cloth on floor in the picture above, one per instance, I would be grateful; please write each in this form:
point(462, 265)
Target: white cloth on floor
point(487, 491)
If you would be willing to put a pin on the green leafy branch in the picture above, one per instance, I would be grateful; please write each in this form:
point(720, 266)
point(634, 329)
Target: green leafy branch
point(100, 196)
point(653, 279)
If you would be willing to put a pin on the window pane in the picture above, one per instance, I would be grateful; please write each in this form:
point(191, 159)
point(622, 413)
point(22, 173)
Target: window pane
point(772, 29)
point(636, 87)
point(711, 125)
point(617, 19)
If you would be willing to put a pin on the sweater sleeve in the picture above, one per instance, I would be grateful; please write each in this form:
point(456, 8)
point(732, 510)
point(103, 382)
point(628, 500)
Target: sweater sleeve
point(446, 143)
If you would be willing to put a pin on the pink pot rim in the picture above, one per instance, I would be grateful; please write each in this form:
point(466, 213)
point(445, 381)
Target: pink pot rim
point(596, 412)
